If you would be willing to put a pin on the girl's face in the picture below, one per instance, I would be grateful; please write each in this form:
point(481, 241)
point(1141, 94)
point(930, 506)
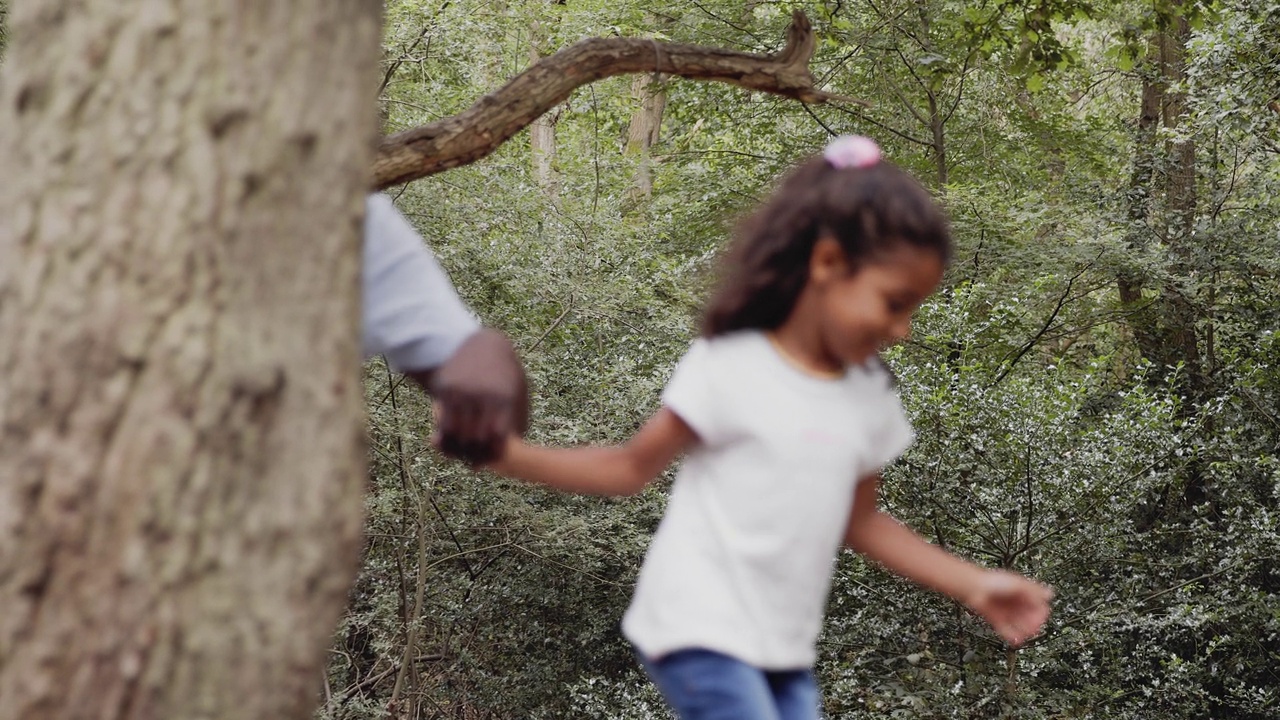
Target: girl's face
point(865, 308)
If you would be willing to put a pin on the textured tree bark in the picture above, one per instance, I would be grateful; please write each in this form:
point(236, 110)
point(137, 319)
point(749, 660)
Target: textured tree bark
point(181, 437)
point(478, 131)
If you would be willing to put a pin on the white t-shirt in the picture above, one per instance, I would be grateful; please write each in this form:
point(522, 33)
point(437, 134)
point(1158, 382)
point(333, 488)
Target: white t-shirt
point(742, 560)
point(410, 311)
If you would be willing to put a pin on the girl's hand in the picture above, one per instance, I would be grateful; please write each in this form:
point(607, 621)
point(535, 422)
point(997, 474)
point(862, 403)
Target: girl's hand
point(1015, 606)
point(503, 463)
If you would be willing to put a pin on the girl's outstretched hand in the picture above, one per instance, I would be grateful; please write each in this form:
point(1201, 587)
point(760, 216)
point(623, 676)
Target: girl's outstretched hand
point(1015, 606)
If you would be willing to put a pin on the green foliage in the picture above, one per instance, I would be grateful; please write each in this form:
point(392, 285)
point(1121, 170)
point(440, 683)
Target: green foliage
point(1047, 441)
point(1235, 76)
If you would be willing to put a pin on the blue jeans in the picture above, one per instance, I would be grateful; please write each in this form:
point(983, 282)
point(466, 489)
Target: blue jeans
point(706, 685)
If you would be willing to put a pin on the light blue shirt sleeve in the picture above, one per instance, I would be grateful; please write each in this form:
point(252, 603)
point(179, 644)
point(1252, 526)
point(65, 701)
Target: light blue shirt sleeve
point(411, 312)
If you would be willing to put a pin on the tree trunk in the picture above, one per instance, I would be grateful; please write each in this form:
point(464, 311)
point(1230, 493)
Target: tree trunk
point(645, 127)
point(181, 462)
point(1162, 204)
point(542, 131)
point(1139, 200)
point(1180, 217)
point(1162, 208)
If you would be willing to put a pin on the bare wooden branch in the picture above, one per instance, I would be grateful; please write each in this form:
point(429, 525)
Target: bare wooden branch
point(478, 131)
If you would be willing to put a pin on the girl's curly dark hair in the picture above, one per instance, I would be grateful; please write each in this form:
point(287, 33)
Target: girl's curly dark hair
point(867, 210)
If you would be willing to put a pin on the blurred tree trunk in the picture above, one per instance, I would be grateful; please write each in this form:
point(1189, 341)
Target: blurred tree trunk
point(181, 445)
point(181, 462)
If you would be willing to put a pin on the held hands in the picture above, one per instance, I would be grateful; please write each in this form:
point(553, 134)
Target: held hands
point(504, 461)
point(1015, 606)
point(480, 399)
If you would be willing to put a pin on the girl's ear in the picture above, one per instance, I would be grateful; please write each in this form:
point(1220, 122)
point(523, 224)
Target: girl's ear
point(827, 261)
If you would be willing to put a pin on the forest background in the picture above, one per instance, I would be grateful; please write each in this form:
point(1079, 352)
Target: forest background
point(1096, 389)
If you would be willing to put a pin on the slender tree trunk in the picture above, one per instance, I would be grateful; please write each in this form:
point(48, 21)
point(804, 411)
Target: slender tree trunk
point(1162, 208)
point(937, 122)
point(937, 130)
point(1010, 688)
point(542, 142)
point(1163, 204)
point(645, 127)
point(542, 131)
point(1129, 282)
point(181, 463)
point(1180, 216)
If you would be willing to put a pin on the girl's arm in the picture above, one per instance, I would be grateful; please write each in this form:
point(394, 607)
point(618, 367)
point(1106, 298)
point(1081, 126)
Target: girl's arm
point(1015, 606)
point(616, 470)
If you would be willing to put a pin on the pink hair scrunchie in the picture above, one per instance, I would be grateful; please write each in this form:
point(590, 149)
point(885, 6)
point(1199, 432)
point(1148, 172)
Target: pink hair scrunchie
point(852, 151)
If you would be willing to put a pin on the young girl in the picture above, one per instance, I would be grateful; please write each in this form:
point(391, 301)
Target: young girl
point(785, 416)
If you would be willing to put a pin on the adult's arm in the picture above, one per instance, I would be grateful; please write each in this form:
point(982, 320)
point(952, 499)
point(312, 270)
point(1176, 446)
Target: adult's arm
point(412, 314)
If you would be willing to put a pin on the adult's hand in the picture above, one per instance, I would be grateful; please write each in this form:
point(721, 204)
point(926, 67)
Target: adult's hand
point(481, 398)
